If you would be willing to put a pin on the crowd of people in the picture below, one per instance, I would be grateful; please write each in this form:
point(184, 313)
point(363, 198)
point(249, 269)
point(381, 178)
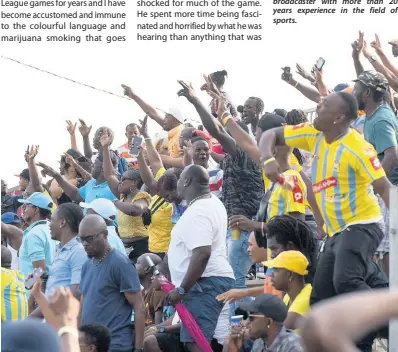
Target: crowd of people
point(88, 252)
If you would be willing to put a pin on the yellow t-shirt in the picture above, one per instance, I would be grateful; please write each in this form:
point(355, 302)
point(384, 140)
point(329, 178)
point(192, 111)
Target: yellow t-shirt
point(342, 174)
point(295, 165)
point(172, 142)
point(132, 226)
point(301, 305)
point(284, 201)
point(161, 225)
point(14, 304)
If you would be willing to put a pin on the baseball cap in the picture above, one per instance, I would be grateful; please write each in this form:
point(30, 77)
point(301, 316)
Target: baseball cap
point(10, 218)
point(340, 87)
point(293, 261)
point(373, 79)
point(176, 113)
point(103, 207)
point(39, 200)
point(269, 305)
point(269, 121)
point(24, 174)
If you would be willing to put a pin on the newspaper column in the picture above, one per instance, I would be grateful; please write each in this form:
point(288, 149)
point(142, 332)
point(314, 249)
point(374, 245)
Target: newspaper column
point(393, 338)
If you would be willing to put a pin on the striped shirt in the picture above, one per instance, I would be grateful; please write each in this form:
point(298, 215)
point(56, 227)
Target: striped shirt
point(342, 176)
point(14, 304)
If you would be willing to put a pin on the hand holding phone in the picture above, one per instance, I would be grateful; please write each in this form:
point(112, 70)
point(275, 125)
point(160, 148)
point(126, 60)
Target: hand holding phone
point(319, 64)
point(136, 146)
point(286, 75)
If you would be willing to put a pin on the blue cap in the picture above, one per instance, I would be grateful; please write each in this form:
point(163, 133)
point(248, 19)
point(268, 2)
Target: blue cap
point(39, 200)
point(10, 218)
point(341, 87)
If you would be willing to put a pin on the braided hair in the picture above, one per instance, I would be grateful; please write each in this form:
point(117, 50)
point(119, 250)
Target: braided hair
point(296, 117)
point(218, 78)
point(287, 229)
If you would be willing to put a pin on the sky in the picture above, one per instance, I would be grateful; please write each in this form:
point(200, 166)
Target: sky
point(35, 105)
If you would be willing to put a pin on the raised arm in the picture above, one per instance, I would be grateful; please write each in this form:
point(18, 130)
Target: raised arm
point(85, 132)
point(13, 234)
point(72, 132)
point(154, 157)
point(85, 174)
point(209, 122)
point(376, 44)
point(109, 173)
point(136, 208)
point(357, 47)
point(70, 190)
point(34, 175)
point(146, 174)
point(148, 109)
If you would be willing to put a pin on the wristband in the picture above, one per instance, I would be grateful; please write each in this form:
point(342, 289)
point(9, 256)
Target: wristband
point(295, 86)
point(68, 330)
point(270, 160)
point(226, 119)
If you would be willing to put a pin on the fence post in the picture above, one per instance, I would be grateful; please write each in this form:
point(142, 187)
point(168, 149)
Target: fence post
point(393, 338)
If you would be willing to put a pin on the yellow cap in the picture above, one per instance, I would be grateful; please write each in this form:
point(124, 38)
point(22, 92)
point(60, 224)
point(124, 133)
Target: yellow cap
point(293, 261)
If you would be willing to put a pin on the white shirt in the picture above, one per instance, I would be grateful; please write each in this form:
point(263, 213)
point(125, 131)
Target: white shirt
point(114, 240)
point(204, 223)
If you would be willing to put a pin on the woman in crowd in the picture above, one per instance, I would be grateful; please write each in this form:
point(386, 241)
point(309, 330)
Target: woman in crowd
point(131, 203)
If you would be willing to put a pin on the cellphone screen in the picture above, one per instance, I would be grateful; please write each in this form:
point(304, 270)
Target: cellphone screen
point(320, 63)
point(135, 149)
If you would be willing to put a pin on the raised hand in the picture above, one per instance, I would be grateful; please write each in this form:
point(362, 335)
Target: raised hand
point(69, 160)
point(376, 44)
point(188, 150)
point(358, 44)
point(105, 139)
point(47, 170)
point(367, 51)
point(187, 91)
point(128, 91)
point(30, 156)
point(84, 129)
point(71, 127)
point(303, 73)
point(144, 127)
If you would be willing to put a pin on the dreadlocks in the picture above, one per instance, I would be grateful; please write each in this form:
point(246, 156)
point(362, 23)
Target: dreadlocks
point(287, 229)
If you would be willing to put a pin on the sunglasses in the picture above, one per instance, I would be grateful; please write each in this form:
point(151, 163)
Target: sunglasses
point(89, 239)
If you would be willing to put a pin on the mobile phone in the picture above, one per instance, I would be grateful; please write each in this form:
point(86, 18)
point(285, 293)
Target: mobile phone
point(136, 146)
point(31, 281)
point(319, 64)
point(286, 73)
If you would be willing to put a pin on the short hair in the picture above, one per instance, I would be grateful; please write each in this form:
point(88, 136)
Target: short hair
point(97, 335)
point(259, 104)
point(167, 182)
point(218, 78)
point(349, 105)
point(280, 112)
point(133, 124)
point(72, 214)
point(135, 175)
point(44, 213)
point(198, 138)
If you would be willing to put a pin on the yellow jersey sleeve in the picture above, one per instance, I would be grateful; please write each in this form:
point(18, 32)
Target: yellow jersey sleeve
point(160, 173)
point(301, 305)
point(301, 136)
point(368, 164)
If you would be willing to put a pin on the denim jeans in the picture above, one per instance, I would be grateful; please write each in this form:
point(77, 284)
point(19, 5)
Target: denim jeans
point(240, 261)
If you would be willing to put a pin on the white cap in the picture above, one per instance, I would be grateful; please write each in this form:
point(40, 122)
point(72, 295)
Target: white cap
point(176, 113)
point(103, 207)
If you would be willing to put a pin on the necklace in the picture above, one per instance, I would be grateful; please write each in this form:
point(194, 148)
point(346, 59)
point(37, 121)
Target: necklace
point(207, 195)
point(106, 253)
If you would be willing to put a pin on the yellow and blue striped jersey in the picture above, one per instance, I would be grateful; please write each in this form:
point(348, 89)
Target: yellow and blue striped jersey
point(284, 201)
point(342, 176)
point(294, 164)
point(14, 304)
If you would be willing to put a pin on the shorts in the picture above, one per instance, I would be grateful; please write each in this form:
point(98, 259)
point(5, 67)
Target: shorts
point(169, 342)
point(384, 246)
point(202, 304)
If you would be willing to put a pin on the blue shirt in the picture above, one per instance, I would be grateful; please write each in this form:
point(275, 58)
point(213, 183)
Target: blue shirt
point(36, 245)
point(67, 266)
point(381, 130)
point(91, 191)
point(115, 241)
point(103, 288)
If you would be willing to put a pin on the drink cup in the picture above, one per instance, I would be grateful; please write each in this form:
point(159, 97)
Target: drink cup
point(236, 321)
point(235, 234)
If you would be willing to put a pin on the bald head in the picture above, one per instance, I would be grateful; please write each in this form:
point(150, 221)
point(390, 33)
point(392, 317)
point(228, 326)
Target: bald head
point(194, 181)
point(143, 269)
point(6, 257)
point(198, 174)
point(92, 224)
